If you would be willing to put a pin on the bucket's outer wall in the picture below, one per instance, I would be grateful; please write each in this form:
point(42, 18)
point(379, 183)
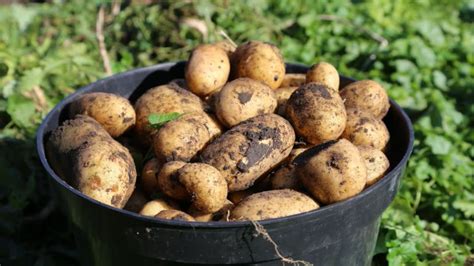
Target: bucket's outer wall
point(344, 233)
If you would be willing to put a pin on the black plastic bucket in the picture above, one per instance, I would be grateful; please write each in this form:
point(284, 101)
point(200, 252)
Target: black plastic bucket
point(339, 234)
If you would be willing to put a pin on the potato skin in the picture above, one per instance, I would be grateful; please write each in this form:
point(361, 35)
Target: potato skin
point(207, 69)
point(206, 185)
point(149, 177)
point(154, 207)
point(293, 80)
point(113, 112)
point(366, 95)
point(242, 99)
point(272, 204)
point(283, 94)
point(335, 171)
point(174, 215)
point(259, 61)
point(362, 129)
point(317, 113)
point(183, 138)
point(92, 161)
point(169, 183)
point(161, 100)
point(376, 163)
point(207, 217)
point(250, 149)
point(285, 177)
point(323, 73)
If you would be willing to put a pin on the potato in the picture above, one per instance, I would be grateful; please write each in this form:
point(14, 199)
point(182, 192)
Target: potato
point(179, 82)
point(183, 138)
point(206, 185)
point(155, 206)
point(376, 163)
point(317, 113)
point(227, 46)
point(323, 73)
point(174, 215)
point(259, 61)
point(149, 177)
point(113, 112)
point(207, 217)
point(169, 183)
point(242, 99)
point(362, 129)
point(250, 149)
point(136, 201)
point(272, 204)
point(293, 80)
point(283, 94)
point(285, 177)
point(333, 171)
point(162, 100)
point(207, 69)
point(366, 95)
point(238, 196)
point(84, 154)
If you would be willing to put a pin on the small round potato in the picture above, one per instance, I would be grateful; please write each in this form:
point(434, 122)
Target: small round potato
point(242, 99)
point(285, 177)
point(259, 61)
point(376, 163)
point(113, 112)
point(174, 215)
point(293, 80)
point(149, 177)
point(162, 100)
point(283, 94)
point(272, 204)
point(362, 129)
point(332, 171)
point(323, 73)
point(249, 150)
point(169, 183)
point(317, 113)
point(207, 69)
point(182, 138)
point(207, 217)
point(206, 185)
point(154, 207)
point(366, 95)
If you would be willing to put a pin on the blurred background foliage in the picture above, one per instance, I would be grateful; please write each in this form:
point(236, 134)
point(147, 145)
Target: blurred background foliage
point(422, 51)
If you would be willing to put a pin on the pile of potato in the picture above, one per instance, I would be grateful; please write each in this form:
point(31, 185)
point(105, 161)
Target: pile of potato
point(250, 142)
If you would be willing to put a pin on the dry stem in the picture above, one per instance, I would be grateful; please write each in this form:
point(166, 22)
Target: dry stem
point(99, 32)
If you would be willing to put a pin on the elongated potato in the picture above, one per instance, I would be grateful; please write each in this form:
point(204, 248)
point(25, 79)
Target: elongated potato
point(183, 138)
point(366, 95)
point(155, 206)
point(259, 61)
point(242, 99)
point(293, 80)
point(169, 183)
point(317, 113)
point(272, 204)
point(174, 215)
point(162, 100)
point(323, 73)
point(283, 94)
point(250, 149)
point(113, 112)
point(376, 163)
point(333, 171)
point(85, 155)
point(363, 129)
point(207, 69)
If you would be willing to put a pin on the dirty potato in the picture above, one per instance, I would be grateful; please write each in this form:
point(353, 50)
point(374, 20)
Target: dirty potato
point(174, 215)
point(293, 80)
point(283, 94)
point(366, 95)
point(363, 129)
point(376, 163)
point(149, 177)
point(323, 73)
point(169, 183)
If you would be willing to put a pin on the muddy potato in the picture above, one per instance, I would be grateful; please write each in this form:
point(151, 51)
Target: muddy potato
point(182, 138)
point(174, 215)
point(250, 149)
point(366, 95)
point(283, 94)
point(333, 171)
point(317, 113)
point(376, 163)
point(84, 154)
point(238, 196)
point(169, 183)
point(207, 217)
point(162, 100)
point(362, 129)
point(113, 112)
point(149, 177)
point(207, 69)
point(242, 99)
point(272, 204)
point(293, 80)
point(155, 206)
point(206, 185)
point(285, 176)
point(259, 61)
point(323, 73)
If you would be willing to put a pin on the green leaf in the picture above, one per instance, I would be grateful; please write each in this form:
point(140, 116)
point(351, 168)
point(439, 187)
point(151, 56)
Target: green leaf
point(21, 110)
point(158, 120)
point(465, 206)
point(439, 144)
point(31, 78)
point(439, 79)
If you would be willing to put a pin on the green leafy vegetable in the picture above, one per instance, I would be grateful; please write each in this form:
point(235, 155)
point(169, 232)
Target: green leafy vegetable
point(158, 120)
